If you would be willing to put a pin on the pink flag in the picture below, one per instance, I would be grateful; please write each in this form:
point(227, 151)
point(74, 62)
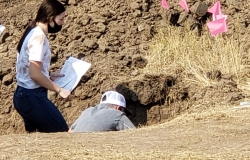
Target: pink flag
point(217, 26)
point(216, 11)
point(183, 4)
point(164, 4)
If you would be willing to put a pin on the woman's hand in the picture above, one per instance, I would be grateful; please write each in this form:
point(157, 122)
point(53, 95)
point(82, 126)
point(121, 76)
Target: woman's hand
point(55, 75)
point(64, 93)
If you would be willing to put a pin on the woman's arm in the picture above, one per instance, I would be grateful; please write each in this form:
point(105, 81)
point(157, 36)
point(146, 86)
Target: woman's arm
point(41, 79)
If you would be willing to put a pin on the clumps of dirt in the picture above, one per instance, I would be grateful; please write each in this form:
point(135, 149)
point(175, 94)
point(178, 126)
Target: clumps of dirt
point(144, 93)
point(114, 37)
point(214, 75)
point(224, 91)
point(138, 61)
point(150, 90)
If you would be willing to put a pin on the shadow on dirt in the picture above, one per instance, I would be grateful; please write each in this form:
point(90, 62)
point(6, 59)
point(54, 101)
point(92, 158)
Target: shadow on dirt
point(141, 95)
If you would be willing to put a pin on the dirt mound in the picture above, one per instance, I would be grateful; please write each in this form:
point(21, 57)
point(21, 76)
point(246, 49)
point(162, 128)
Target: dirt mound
point(114, 36)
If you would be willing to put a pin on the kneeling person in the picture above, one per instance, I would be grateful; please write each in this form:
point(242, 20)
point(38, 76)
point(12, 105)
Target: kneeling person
point(109, 115)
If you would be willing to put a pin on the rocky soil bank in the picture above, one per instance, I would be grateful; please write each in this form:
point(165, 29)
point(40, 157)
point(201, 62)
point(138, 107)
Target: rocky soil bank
point(114, 36)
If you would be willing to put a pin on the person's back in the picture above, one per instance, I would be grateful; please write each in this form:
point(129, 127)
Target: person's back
point(101, 118)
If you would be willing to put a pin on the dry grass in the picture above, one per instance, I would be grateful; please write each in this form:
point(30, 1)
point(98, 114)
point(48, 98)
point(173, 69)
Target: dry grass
point(190, 58)
point(176, 50)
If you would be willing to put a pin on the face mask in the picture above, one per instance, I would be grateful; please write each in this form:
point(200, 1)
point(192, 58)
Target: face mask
point(54, 29)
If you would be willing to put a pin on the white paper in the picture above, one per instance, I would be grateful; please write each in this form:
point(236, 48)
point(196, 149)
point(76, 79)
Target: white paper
point(73, 70)
point(1, 29)
point(242, 106)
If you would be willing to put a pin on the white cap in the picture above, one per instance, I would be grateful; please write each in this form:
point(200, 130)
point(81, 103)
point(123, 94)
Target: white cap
point(113, 97)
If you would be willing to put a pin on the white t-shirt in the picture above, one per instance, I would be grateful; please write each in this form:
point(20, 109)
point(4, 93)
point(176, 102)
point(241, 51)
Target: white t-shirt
point(35, 48)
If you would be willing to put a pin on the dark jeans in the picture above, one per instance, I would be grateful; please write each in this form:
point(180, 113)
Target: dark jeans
point(38, 112)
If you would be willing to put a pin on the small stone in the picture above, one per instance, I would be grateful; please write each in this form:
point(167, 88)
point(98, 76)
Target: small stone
point(199, 8)
point(7, 79)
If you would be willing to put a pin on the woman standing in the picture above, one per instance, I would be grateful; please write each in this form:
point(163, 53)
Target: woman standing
point(32, 72)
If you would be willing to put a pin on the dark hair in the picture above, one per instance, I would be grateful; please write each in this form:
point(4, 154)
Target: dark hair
point(46, 12)
point(104, 98)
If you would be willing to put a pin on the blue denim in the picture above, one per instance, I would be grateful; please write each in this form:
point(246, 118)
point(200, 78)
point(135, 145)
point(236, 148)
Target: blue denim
point(38, 112)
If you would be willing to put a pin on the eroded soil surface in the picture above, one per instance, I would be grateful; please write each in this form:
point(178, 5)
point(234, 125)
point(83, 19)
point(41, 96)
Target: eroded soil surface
point(114, 36)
